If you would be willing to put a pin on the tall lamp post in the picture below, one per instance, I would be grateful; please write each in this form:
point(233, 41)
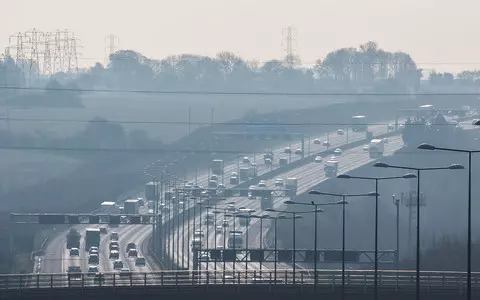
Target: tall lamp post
point(316, 211)
point(295, 216)
point(344, 202)
point(376, 179)
point(469, 209)
point(418, 170)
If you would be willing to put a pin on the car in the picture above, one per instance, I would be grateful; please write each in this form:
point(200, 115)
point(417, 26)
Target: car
point(219, 229)
point(340, 132)
point(401, 126)
point(268, 161)
point(326, 143)
point(103, 230)
point(365, 148)
point(93, 251)
point(338, 151)
point(318, 159)
point(214, 177)
point(225, 223)
point(117, 264)
point(221, 186)
point(92, 270)
point(125, 272)
point(287, 150)
point(298, 151)
point(115, 248)
point(212, 184)
point(132, 253)
point(316, 142)
point(74, 252)
point(262, 183)
point(93, 259)
point(220, 247)
point(114, 236)
point(231, 208)
point(92, 248)
point(246, 160)
point(390, 127)
point(112, 244)
point(279, 182)
point(140, 261)
point(205, 256)
point(385, 140)
point(114, 254)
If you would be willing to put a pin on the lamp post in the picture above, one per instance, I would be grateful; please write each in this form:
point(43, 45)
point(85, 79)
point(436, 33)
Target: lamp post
point(343, 202)
point(316, 211)
point(215, 212)
point(396, 202)
point(294, 219)
point(376, 179)
point(469, 208)
point(418, 170)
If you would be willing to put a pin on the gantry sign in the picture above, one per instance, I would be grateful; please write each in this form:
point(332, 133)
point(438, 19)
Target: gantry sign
point(75, 219)
point(386, 258)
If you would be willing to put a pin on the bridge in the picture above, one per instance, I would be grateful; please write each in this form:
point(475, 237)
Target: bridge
point(359, 284)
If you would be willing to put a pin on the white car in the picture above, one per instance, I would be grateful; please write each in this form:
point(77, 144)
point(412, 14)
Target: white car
point(340, 132)
point(231, 208)
point(318, 159)
point(279, 182)
point(246, 160)
point(365, 148)
point(316, 142)
point(262, 183)
point(326, 143)
point(234, 174)
point(338, 151)
point(385, 140)
point(125, 272)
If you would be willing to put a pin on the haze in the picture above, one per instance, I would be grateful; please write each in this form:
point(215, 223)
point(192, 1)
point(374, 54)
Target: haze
point(435, 33)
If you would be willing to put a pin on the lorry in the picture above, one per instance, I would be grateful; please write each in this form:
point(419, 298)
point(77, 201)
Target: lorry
point(92, 238)
point(266, 202)
point(376, 148)
point(291, 184)
point(73, 239)
point(359, 123)
point(131, 207)
point(217, 166)
point(151, 191)
point(331, 167)
point(109, 208)
point(244, 174)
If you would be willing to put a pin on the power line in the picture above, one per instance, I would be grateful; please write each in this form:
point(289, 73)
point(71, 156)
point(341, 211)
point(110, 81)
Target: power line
point(222, 93)
point(148, 150)
point(197, 123)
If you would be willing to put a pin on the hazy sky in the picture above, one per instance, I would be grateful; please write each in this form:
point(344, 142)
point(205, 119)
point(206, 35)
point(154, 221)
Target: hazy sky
point(432, 31)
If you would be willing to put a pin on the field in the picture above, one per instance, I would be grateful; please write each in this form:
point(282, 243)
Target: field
point(25, 168)
point(155, 108)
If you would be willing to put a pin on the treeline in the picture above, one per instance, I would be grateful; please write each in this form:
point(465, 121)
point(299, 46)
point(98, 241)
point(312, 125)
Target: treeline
point(99, 133)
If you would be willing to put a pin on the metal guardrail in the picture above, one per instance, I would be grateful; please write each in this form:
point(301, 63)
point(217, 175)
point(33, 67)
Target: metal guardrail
point(360, 280)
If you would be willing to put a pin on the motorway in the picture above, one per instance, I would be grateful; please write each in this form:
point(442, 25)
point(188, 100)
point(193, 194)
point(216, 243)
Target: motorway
point(308, 176)
point(57, 259)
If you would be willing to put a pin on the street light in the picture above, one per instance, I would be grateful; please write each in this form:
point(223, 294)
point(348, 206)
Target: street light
point(425, 146)
point(294, 218)
point(344, 202)
point(316, 211)
point(376, 179)
point(450, 167)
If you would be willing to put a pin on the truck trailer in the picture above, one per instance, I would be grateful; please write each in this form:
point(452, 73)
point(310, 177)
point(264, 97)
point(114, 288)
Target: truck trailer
point(131, 206)
point(92, 238)
point(376, 148)
point(217, 167)
point(73, 239)
point(151, 191)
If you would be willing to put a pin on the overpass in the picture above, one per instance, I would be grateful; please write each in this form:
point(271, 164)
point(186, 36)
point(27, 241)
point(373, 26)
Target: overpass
point(251, 284)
